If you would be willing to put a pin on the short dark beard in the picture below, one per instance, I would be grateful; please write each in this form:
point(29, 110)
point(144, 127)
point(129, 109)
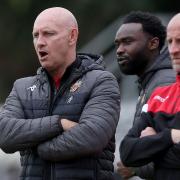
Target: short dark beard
point(135, 66)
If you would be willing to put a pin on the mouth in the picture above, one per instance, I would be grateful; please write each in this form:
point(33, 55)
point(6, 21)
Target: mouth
point(176, 58)
point(122, 60)
point(43, 54)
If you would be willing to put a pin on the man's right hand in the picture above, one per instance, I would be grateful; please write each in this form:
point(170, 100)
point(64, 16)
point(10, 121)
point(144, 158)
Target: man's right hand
point(125, 172)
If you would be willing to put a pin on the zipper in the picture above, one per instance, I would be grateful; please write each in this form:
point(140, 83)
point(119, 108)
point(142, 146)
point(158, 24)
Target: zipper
point(52, 100)
point(52, 171)
point(72, 78)
point(26, 164)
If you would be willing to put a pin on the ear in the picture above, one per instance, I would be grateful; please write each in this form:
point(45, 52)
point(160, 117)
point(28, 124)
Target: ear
point(73, 36)
point(153, 43)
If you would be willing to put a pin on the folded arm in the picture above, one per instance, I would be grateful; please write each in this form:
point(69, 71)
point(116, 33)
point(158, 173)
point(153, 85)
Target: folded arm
point(19, 133)
point(96, 126)
point(136, 150)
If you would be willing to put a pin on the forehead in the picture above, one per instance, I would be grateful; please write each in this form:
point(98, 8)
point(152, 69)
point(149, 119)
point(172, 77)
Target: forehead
point(47, 21)
point(130, 29)
point(173, 29)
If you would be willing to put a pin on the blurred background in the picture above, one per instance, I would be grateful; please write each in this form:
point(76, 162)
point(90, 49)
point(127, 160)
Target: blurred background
point(98, 22)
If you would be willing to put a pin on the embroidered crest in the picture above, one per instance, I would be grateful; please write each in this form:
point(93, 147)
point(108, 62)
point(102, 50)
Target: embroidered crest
point(75, 86)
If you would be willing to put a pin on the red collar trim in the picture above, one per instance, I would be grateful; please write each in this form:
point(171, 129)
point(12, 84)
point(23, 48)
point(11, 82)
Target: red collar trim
point(57, 81)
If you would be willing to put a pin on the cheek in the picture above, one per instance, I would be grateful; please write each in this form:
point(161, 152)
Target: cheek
point(133, 52)
point(58, 45)
point(134, 49)
point(35, 43)
point(35, 48)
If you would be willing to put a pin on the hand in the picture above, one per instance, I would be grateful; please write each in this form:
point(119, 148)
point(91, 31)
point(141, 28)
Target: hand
point(125, 172)
point(175, 135)
point(67, 124)
point(148, 131)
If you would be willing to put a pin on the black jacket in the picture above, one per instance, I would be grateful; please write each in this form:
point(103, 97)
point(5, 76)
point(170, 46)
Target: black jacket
point(29, 122)
point(159, 74)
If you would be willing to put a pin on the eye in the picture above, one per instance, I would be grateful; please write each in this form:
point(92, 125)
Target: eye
point(127, 41)
point(35, 35)
point(116, 44)
point(169, 41)
point(49, 33)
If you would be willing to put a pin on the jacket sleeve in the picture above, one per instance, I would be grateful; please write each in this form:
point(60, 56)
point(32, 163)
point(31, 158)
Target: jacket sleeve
point(146, 171)
point(136, 151)
point(171, 158)
point(97, 124)
point(19, 133)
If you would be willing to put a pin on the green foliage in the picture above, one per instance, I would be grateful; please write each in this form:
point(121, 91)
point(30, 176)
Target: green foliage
point(19, 6)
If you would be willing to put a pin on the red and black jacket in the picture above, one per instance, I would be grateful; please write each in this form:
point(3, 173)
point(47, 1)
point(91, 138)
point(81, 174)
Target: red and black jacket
point(162, 112)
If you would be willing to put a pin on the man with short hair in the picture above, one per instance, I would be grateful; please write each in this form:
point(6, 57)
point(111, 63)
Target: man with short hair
point(156, 136)
point(62, 120)
point(139, 41)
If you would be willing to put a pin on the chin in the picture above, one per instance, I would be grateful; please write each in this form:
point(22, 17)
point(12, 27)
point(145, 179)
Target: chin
point(46, 67)
point(176, 68)
point(127, 72)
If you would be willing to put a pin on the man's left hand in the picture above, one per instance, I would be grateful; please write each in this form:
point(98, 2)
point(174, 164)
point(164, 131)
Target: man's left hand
point(67, 124)
point(148, 131)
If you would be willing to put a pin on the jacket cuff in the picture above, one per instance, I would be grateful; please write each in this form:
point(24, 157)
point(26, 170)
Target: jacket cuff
point(60, 125)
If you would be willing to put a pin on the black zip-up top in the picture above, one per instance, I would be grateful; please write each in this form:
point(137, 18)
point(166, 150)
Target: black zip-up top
point(160, 73)
point(29, 123)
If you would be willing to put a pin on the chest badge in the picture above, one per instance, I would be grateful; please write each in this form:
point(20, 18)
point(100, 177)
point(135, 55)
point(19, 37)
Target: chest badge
point(75, 86)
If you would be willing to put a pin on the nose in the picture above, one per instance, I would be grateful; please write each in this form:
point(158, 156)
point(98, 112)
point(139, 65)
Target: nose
point(120, 49)
point(40, 41)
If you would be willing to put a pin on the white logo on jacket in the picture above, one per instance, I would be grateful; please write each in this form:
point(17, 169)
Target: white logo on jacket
point(160, 98)
point(70, 99)
point(32, 88)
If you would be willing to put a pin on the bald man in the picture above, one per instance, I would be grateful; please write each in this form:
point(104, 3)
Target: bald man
point(157, 135)
point(63, 119)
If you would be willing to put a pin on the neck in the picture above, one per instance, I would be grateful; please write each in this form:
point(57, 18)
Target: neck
point(151, 59)
point(59, 72)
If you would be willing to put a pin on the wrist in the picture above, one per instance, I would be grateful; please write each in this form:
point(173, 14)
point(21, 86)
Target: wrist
point(60, 125)
point(133, 173)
